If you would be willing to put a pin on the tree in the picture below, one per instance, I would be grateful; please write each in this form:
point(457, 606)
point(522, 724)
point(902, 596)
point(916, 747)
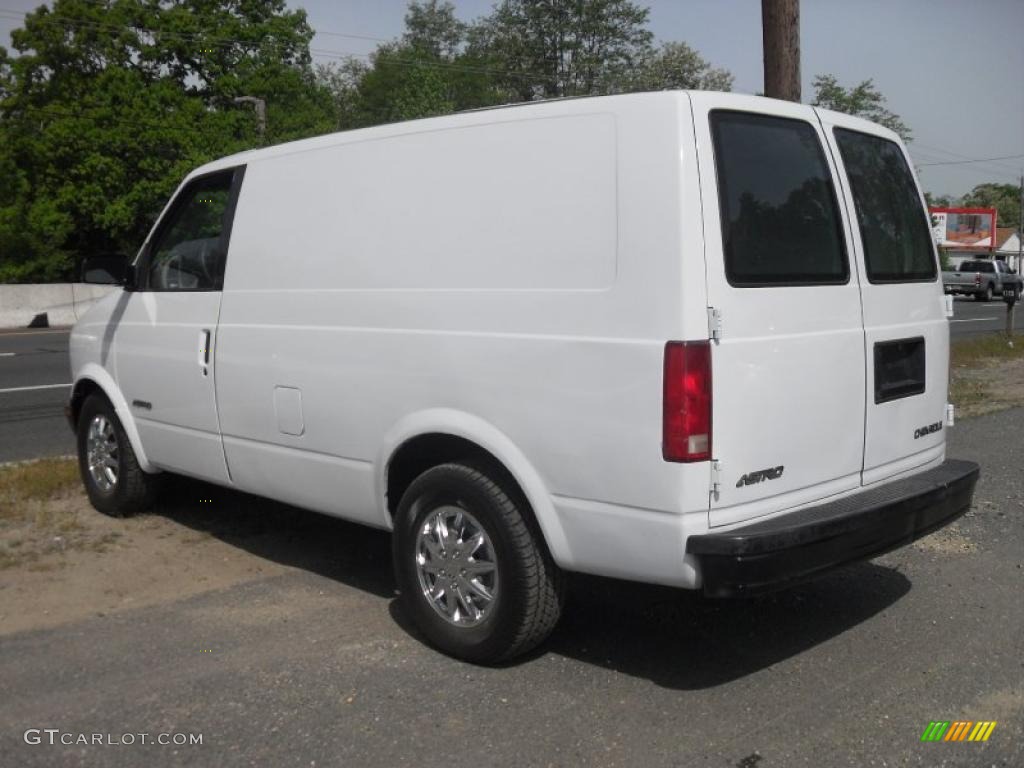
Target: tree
point(863, 100)
point(432, 27)
point(403, 84)
point(938, 201)
point(676, 65)
point(547, 48)
point(341, 80)
point(1003, 197)
point(107, 105)
point(428, 72)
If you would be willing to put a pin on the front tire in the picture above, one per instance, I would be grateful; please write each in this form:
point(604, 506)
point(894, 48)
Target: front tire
point(113, 480)
point(472, 570)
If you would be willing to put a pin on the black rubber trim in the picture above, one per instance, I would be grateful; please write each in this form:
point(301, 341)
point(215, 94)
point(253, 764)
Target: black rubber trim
point(774, 554)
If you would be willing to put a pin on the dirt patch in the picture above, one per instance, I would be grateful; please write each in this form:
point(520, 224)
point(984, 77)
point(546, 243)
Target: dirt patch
point(97, 565)
point(61, 560)
point(947, 541)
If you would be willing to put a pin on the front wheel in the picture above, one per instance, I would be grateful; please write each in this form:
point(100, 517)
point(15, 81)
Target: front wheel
point(473, 572)
point(115, 483)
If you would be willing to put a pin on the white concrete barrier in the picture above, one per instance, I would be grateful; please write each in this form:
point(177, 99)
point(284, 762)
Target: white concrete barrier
point(47, 304)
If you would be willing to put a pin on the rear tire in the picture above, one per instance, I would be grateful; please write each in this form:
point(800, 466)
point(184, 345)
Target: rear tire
point(985, 295)
point(113, 480)
point(434, 571)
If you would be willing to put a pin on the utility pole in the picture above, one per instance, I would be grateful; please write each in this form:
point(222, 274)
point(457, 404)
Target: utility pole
point(261, 113)
point(780, 32)
point(1011, 299)
point(1020, 228)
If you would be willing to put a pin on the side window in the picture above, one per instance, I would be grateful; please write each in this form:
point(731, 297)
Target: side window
point(188, 250)
point(780, 216)
point(893, 225)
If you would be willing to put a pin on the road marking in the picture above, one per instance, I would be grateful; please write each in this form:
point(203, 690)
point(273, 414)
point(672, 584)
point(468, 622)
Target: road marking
point(975, 320)
point(7, 354)
point(29, 389)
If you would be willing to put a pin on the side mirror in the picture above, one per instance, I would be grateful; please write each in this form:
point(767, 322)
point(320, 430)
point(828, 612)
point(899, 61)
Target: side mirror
point(109, 269)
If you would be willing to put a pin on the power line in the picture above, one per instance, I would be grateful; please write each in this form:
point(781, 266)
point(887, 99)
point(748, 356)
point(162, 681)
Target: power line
point(922, 158)
point(977, 160)
point(1006, 167)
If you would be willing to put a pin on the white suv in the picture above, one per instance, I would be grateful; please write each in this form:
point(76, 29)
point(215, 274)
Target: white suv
point(692, 339)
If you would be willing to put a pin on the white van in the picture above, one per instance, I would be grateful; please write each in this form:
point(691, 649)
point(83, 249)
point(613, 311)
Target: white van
point(693, 339)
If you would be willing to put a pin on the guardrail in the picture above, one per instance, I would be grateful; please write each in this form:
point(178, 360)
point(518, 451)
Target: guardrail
point(43, 305)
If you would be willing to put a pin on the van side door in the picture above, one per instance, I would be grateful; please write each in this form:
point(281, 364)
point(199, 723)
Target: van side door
point(165, 339)
point(905, 325)
point(788, 360)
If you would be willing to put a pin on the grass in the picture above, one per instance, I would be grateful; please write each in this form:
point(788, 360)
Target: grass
point(970, 352)
point(30, 526)
point(986, 374)
point(34, 481)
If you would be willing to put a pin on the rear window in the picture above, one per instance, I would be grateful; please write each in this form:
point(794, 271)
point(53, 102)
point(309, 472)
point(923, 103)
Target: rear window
point(977, 266)
point(894, 230)
point(780, 218)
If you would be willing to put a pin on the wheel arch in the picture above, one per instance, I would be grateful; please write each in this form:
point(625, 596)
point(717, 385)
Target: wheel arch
point(434, 437)
point(93, 378)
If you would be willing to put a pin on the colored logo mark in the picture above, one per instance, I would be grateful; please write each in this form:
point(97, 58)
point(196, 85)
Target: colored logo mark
point(958, 730)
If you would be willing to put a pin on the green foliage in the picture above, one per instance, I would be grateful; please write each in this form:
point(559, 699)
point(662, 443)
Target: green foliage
point(546, 49)
point(1004, 197)
point(944, 263)
point(863, 100)
point(938, 201)
point(405, 83)
point(106, 104)
point(676, 66)
point(524, 50)
point(430, 71)
point(110, 104)
point(432, 27)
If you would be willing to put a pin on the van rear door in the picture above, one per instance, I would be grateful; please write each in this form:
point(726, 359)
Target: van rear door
point(905, 325)
point(788, 363)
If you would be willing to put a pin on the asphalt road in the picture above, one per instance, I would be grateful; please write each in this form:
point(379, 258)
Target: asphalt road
point(32, 421)
point(974, 318)
point(31, 416)
point(318, 667)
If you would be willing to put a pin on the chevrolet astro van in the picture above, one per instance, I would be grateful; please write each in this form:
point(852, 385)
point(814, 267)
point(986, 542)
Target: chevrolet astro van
point(691, 339)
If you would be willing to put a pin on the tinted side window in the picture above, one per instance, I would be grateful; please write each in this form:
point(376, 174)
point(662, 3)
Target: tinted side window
point(893, 226)
point(187, 252)
point(780, 218)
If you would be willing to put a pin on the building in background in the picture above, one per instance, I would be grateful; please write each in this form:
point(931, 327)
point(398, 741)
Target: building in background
point(964, 233)
point(1008, 247)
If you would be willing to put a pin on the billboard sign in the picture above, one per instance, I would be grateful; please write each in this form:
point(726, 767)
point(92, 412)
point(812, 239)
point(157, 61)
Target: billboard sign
point(972, 228)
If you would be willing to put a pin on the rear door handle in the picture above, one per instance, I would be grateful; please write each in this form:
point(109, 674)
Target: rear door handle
point(204, 349)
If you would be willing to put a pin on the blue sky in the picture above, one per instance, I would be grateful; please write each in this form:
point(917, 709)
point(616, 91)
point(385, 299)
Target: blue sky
point(954, 71)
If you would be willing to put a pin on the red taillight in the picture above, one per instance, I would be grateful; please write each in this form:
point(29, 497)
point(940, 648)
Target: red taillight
point(686, 405)
point(977, 279)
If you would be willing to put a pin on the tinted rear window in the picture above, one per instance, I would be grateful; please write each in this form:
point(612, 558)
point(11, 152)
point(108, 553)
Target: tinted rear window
point(893, 227)
point(976, 266)
point(780, 219)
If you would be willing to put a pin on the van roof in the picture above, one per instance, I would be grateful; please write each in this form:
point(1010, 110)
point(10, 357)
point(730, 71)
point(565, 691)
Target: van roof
point(564, 105)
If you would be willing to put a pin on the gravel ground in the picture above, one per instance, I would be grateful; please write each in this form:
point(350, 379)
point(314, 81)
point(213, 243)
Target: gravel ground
point(305, 659)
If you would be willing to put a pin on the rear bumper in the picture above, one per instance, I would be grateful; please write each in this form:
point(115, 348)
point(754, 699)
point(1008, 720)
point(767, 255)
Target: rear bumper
point(773, 554)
